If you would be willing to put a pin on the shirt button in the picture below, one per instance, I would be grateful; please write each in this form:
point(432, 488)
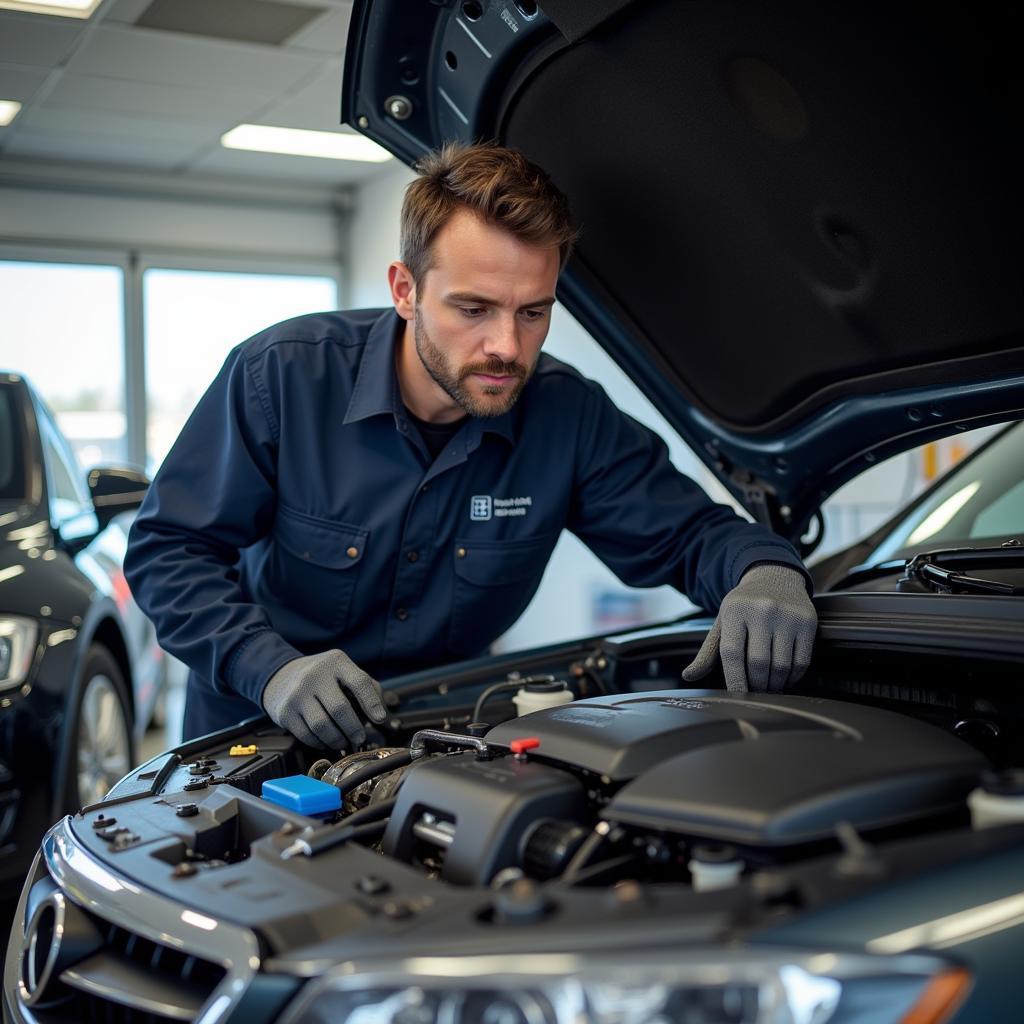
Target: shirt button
point(460, 552)
point(412, 556)
point(424, 488)
point(352, 552)
point(402, 614)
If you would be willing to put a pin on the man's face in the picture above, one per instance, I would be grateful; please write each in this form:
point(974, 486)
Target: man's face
point(481, 313)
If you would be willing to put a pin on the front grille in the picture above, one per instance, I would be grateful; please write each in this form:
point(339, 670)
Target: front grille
point(143, 959)
point(133, 980)
point(176, 966)
point(92, 1010)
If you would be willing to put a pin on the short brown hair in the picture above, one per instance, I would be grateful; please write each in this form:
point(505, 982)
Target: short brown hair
point(498, 184)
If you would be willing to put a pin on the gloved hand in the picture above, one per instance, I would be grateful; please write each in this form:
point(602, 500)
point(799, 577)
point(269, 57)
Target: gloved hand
point(307, 697)
point(764, 632)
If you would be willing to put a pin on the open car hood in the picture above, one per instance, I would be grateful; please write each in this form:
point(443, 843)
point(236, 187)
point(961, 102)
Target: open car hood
point(801, 222)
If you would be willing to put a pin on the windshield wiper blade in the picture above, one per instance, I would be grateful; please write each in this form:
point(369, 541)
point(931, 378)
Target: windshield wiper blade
point(932, 568)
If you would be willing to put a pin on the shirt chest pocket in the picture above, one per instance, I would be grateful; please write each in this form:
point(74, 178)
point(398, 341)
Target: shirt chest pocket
point(493, 583)
point(317, 565)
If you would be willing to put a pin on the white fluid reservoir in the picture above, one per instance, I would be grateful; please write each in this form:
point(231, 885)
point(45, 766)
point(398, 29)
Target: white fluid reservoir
point(999, 800)
point(538, 696)
point(715, 867)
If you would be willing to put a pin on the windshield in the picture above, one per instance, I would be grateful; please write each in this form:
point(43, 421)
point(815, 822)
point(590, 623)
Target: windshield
point(12, 462)
point(982, 501)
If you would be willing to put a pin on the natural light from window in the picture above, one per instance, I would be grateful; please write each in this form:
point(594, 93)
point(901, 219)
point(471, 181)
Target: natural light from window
point(194, 318)
point(61, 326)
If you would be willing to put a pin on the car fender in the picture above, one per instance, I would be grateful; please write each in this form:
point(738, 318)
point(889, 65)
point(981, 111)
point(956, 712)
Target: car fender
point(102, 625)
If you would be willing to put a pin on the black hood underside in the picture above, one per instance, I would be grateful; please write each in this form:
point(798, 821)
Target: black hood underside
point(783, 206)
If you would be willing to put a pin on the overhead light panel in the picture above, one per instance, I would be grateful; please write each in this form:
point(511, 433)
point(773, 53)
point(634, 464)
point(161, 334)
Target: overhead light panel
point(263, 138)
point(61, 8)
point(8, 111)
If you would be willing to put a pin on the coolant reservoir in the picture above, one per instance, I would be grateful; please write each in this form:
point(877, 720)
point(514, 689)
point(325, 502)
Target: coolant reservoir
point(999, 800)
point(715, 866)
point(538, 696)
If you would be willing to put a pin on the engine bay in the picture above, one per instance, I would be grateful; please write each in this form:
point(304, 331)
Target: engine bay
point(497, 808)
point(676, 795)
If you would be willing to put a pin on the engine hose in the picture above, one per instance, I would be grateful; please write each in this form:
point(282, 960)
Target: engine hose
point(547, 681)
point(478, 708)
point(581, 859)
point(328, 838)
point(373, 769)
point(374, 812)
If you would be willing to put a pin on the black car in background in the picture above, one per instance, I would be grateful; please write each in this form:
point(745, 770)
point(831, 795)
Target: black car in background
point(79, 666)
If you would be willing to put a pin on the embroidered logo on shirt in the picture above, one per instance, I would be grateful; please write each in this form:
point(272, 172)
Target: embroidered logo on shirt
point(482, 507)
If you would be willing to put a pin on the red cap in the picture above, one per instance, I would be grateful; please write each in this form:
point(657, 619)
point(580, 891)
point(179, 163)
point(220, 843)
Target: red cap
point(524, 744)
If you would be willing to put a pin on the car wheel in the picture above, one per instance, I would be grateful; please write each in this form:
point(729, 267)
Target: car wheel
point(101, 732)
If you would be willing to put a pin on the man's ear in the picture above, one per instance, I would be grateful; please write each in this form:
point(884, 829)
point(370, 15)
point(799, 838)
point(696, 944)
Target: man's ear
point(403, 289)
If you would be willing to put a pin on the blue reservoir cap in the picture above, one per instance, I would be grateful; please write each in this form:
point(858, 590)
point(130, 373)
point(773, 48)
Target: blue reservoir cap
point(303, 794)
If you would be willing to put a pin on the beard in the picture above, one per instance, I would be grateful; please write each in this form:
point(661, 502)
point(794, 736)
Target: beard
point(457, 382)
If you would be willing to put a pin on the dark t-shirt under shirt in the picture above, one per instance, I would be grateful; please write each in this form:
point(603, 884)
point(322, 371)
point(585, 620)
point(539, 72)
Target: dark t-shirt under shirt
point(435, 435)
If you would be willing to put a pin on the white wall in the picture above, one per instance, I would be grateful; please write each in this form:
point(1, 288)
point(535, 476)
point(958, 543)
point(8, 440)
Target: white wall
point(160, 213)
point(373, 238)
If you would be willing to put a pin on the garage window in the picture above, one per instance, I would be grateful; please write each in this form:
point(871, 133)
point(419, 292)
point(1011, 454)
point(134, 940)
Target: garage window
point(194, 318)
point(61, 326)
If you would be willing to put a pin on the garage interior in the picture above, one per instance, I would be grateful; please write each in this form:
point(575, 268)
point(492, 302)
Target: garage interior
point(174, 178)
point(137, 247)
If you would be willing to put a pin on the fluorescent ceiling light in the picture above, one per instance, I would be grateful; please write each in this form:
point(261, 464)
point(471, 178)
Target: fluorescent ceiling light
point(301, 142)
point(61, 8)
point(8, 111)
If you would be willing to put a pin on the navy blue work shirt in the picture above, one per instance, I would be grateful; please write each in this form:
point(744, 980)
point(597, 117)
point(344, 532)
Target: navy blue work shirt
point(299, 510)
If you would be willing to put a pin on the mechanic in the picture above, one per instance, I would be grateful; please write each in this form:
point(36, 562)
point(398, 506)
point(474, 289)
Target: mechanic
point(363, 494)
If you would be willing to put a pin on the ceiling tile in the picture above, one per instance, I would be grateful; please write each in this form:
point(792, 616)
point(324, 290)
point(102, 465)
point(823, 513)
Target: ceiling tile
point(252, 21)
point(316, 105)
point(274, 167)
point(30, 39)
point(93, 149)
point(65, 123)
point(20, 83)
point(328, 34)
point(171, 59)
point(195, 106)
point(126, 10)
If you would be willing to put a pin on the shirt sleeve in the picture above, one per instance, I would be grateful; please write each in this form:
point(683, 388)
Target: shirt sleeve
point(652, 525)
point(213, 495)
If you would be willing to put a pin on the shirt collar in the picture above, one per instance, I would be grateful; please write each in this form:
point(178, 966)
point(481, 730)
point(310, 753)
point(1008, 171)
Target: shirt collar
point(376, 388)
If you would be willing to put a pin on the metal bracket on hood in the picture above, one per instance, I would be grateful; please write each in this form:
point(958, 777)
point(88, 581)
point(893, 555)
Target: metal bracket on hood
point(757, 495)
point(760, 499)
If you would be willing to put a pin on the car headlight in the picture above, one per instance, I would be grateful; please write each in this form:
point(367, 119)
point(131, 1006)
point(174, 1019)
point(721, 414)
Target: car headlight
point(17, 645)
point(698, 987)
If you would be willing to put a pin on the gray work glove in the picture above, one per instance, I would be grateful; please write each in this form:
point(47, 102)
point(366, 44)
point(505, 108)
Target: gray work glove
point(764, 632)
point(311, 698)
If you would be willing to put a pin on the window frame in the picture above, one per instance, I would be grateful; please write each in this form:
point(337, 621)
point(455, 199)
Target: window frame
point(133, 264)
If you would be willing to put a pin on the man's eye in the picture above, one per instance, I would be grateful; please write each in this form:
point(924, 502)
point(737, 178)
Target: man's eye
point(472, 311)
point(534, 314)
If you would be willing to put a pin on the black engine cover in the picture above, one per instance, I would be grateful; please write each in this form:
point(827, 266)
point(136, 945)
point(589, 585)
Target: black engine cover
point(758, 769)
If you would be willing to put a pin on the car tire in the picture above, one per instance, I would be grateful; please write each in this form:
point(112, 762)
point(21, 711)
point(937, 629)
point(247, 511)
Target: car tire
point(99, 730)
